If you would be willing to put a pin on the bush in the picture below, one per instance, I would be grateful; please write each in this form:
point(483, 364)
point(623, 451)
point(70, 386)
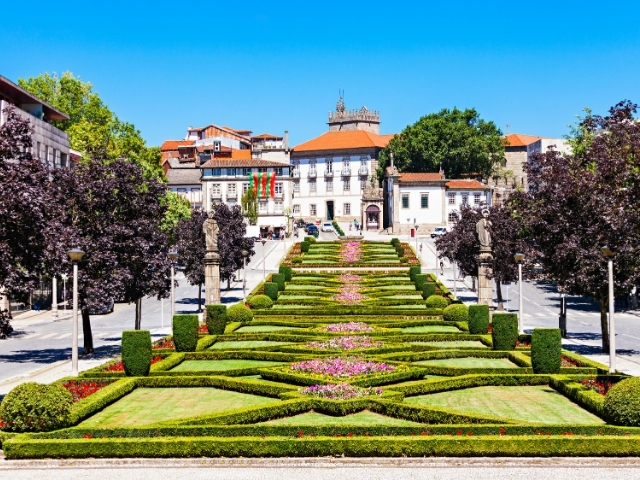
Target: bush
point(310, 239)
point(436, 301)
point(420, 280)
point(413, 271)
point(394, 241)
point(622, 403)
point(216, 319)
point(304, 246)
point(271, 290)
point(478, 319)
point(296, 260)
point(185, 332)
point(278, 278)
point(287, 271)
point(239, 313)
point(136, 352)
point(428, 289)
point(546, 350)
point(260, 301)
point(403, 260)
point(505, 331)
point(458, 312)
point(32, 407)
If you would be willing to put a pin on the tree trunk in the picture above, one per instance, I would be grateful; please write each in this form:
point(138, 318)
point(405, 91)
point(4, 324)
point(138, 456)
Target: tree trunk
point(199, 297)
point(473, 284)
point(228, 284)
point(138, 313)
point(86, 331)
point(499, 294)
point(604, 326)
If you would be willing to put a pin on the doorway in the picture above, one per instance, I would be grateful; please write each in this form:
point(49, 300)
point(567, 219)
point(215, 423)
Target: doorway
point(329, 210)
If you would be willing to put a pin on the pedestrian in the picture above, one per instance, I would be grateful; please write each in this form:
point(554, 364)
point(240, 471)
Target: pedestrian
point(441, 267)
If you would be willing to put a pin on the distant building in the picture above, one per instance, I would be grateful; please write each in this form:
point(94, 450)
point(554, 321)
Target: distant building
point(50, 144)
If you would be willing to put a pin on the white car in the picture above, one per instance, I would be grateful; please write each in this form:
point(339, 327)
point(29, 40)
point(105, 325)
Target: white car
point(327, 227)
point(439, 231)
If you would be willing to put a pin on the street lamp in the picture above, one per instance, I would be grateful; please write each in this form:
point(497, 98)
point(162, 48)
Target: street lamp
point(519, 258)
point(453, 269)
point(264, 261)
point(416, 230)
point(75, 255)
point(172, 257)
point(609, 252)
point(64, 277)
point(245, 254)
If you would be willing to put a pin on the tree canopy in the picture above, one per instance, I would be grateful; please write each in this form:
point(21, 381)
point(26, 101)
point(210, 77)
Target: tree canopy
point(458, 141)
point(231, 239)
point(191, 244)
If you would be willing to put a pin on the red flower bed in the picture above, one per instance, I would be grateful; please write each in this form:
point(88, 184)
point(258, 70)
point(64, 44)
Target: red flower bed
point(80, 389)
point(523, 343)
point(203, 328)
point(601, 387)
point(119, 366)
point(567, 362)
point(490, 329)
point(164, 343)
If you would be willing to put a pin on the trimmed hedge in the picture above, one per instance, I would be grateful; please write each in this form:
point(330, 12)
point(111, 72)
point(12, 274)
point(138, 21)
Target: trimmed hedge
point(278, 279)
point(622, 403)
point(428, 289)
point(32, 407)
point(420, 280)
point(304, 246)
point(394, 241)
point(185, 332)
point(287, 271)
point(239, 313)
point(260, 302)
point(458, 312)
point(546, 350)
point(413, 271)
point(478, 319)
point(216, 319)
point(271, 290)
point(436, 301)
point(136, 352)
point(505, 331)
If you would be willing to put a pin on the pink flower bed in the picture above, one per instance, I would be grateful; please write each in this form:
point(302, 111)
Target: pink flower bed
point(349, 277)
point(341, 367)
point(340, 391)
point(350, 252)
point(351, 327)
point(346, 343)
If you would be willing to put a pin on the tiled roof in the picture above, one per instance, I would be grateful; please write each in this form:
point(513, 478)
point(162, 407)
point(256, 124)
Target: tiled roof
point(174, 144)
point(267, 136)
point(421, 177)
point(344, 140)
point(466, 185)
point(180, 163)
point(238, 162)
point(520, 140)
point(184, 176)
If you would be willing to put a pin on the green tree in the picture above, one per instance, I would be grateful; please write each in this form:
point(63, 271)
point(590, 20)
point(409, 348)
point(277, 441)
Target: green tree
point(250, 206)
point(458, 141)
point(178, 208)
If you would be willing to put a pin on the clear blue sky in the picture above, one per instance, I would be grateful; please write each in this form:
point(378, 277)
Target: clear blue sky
point(272, 67)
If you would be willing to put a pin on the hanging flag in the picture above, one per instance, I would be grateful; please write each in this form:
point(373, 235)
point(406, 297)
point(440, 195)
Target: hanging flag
point(251, 182)
point(263, 183)
point(272, 185)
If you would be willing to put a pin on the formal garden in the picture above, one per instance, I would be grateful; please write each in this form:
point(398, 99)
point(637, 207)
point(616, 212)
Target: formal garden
point(327, 360)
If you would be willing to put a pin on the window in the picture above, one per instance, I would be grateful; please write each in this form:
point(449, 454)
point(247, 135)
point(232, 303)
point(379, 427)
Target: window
point(424, 200)
point(231, 190)
point(347, 209)
point(247, 171)
point(363, 183)
point(312, 184)
point(278, 188)
point(347, 184)
point(312, 166)
point(278, 205)
point(312, 210)
point(453, 217)
point(405, 200)
point(278, 171)
point(452, 199)
point(217, 172)
point(245, 187)
point(476, 198)
point(240, 172)
point(296, 209)
point(262, 170)
point(465, 199)
point(329, 182)
point(262, 206)
point(329, 165)
point(216, 189)
point(296, 187)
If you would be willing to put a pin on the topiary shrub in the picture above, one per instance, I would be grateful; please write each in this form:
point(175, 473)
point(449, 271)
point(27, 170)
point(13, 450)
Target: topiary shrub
point(458, 312)
point(136, 352)
point(420, 280)
point(304, 246)
point(478, 319)
point(621, 403)
point(505, 331)
point(296, 260)
point(394, 241)
point(239, 313)
point(271, 290)
point(413, 271)
point(403, 260)
point(310, 239)
point(428, 289)
point(546, 350)
point(436, 301)
point(287, 271)
point(278, 279)
point(216, 319)
point(260, 301)
point(33, 407)
point(185, 332)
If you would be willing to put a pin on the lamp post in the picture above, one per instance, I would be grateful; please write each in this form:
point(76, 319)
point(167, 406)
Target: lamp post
point(64, 277)
point(172, 257)
point(609, 252)
point(264, 261)
point(453, 270)
point(415, 228)
point(519, 258)
point(245, 254)
point(75, 255)
point(54, 297)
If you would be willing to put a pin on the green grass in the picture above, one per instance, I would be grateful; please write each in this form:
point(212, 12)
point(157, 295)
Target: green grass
point(246, 344)
point(469, 362)
point(289, 307)
point(264, 328)
point(297, 297)
point(361, 418)
point(150, 405)
point(431, 329)
point(397, 287)
point(303, 286)
point(536, 404)
point(455, 344)
point(220, 365)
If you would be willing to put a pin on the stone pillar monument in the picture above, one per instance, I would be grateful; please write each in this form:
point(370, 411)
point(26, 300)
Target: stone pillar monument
point(485, 285)
point(211, 262)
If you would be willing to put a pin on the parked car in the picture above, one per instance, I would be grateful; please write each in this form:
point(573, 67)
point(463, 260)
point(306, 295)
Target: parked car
point(312, 229)
point(440, 231)
point(327, 227)
point(101, 311)
point(309, 225)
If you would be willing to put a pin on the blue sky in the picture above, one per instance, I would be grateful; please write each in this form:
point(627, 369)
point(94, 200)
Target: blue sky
point(272, 67)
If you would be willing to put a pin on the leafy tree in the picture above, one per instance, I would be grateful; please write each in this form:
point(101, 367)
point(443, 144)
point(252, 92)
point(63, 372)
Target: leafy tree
point(231, 240)
point(178, 209)
point(191, 244)
point(457, 141)
point(250, 206)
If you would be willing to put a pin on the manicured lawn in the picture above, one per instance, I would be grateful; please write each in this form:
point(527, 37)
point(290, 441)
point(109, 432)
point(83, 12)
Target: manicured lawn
point(152, 405)
point(220, 365)
point(455, 344)
point(361, 418)
point(246, 344)
point(537, 404)
point(397, 287)
point(289, 307)
point(431, 329)
point(300, 286)
point(264, 328)
point(297, 297)
point(468, 362)
point(416, 307)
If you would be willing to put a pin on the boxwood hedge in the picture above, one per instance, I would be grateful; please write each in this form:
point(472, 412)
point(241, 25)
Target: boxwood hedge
point(136, 352)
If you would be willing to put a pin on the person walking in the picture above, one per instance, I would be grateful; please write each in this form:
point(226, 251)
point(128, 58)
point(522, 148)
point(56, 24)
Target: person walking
point(441, 267)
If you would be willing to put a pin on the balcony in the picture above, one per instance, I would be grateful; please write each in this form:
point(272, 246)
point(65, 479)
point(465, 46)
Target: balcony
point(328, 173)
point(363, 171)
point(312, 174)
point(346, 172)
point(295, 173)
point(232, 194)
point(217, 195)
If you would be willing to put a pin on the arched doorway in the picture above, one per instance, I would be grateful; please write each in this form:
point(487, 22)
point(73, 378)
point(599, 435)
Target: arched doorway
point(372, 217)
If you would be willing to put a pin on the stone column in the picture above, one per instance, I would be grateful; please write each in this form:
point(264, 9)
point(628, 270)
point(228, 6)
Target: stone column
point(485, 284)
point(54, 297)
point(212, 278)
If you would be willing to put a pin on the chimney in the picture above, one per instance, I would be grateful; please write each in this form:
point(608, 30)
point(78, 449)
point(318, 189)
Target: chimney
point(286, 140)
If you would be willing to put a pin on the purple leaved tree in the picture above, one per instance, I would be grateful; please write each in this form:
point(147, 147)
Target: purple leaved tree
point(231, 240)
point(191, 245)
